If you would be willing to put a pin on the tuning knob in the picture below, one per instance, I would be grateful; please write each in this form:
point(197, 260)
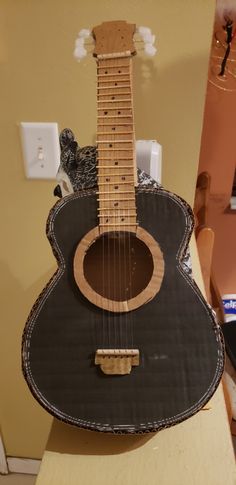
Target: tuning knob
point(80, 52)
point(150, 49)
point(84, 33)
point(148, 38)
point(143, 30)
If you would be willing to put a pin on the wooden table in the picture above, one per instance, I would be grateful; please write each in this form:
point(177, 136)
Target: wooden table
point(196, 452)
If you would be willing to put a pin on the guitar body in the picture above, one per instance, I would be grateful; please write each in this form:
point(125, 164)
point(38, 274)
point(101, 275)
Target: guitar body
point(181, 353)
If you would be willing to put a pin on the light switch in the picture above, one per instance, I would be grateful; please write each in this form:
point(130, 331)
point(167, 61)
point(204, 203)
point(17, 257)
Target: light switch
point(41, 149)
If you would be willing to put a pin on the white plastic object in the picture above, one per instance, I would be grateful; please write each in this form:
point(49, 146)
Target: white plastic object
point(79, 42)
point(149, 38)
point(143, 30)
point(41, 149)
point(80, 52)
point(150, 49)
point(149, 158)
point(84, 33)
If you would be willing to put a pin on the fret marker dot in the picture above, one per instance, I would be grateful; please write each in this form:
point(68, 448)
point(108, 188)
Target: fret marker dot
point(110, 145)
point(122, 178)
point(105, 112)
point(116, 187)
point(116, 204)
point(116, 163)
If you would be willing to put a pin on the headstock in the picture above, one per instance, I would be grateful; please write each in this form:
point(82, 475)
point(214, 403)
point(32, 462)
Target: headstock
point(111, 39)
point(114, 39)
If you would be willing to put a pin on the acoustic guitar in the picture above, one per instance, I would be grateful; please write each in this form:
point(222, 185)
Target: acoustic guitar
point(121, 339)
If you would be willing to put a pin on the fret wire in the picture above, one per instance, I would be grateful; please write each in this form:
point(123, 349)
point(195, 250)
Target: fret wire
point(113, 100)
point(116, 200)
point(115, 183)
point(115, 116)
point(115, 159)
point(114, 149)
point(108, 224)
point(114, 133)
point(111, 94)
point(120, 214)
point(114, 74)
point(116, 124)
point(115, 175)
point(113, 87)
point(114, 80)
point(115, 192)
point(112, 208)
point(116, 215)
point(115, 67)
point(115, 166)
point(114, 141)
point(112, 108)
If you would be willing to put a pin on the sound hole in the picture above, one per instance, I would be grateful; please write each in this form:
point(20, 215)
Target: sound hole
point(118, 265)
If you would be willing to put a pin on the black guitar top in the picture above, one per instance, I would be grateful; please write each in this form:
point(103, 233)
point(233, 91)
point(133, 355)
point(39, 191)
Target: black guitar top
point(181, 352)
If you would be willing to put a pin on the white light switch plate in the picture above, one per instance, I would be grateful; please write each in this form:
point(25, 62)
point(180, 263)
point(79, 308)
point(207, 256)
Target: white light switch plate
point(41, 149)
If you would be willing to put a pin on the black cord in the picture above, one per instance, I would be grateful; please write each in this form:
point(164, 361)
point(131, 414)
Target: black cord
point(229, 28)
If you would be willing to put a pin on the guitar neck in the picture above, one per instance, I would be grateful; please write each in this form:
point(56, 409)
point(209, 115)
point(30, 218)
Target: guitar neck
point(116, 145)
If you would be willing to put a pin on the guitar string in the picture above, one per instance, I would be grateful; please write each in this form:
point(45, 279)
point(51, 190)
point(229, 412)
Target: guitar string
point(134, 176)
point(129, 234)
point(127, 262)
point(109, 262)
point(124, 315)
point(105, 285)
point(113, 236)
point(126, 248)
point(128, 251)
point(119, 271)
point(100, 204)
point(119, 319)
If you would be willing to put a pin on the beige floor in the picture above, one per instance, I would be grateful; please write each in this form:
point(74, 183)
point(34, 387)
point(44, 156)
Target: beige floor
point(17, 479)
point(20, 479)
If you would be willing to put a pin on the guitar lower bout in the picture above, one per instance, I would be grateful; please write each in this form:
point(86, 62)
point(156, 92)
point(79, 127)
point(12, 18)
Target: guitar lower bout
point(118, 271)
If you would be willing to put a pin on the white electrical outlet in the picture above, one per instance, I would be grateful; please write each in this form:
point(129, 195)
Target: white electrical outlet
point(41, 149)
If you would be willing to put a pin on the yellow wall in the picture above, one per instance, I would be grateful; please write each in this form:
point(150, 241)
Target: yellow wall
point(40, 81)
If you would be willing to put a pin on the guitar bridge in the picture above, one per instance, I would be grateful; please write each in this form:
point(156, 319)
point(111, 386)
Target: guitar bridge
point(117, 361)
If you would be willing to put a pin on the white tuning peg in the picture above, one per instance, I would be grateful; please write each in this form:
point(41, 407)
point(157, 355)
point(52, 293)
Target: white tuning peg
point(80, 52)
point(149, 49)
point(84, 33)
point(149, 38)
point(79, 42)
point(143, 30)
